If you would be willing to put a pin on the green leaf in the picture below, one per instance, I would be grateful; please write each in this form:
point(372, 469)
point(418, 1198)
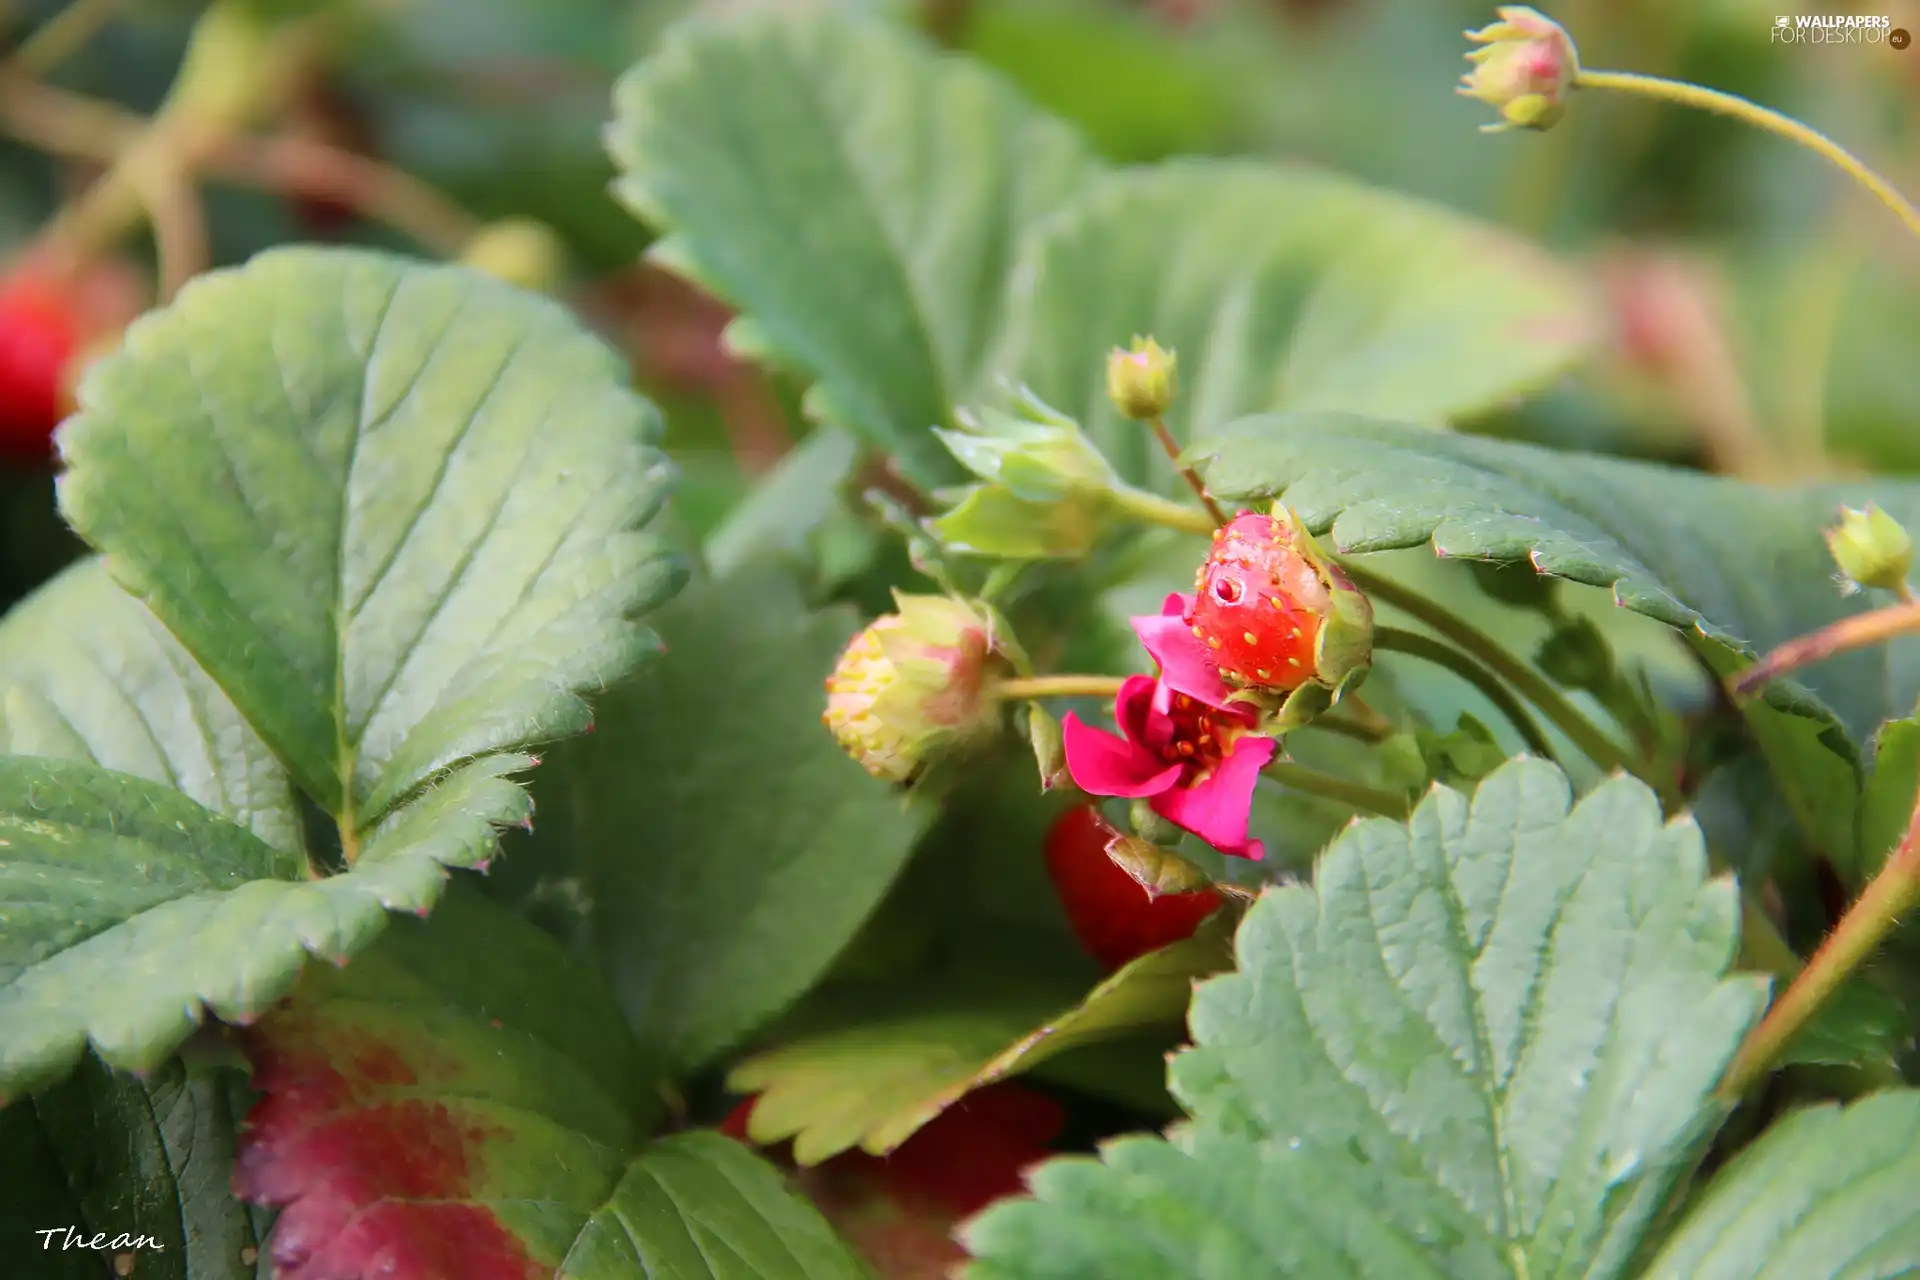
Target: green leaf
point(1283, 287)
point(1887, 806)
point(1824, 1192)
point(1136, 94)
point(885, 1071)
point(1483, 1044)
point(126, 908)
point(391, 508)
point(857, 196)
point(1859, 1025)
point(482, 1109)
point(87, 673)
point(110, 1156)
point(724, 846)
point(1735, 567)
point(797, 498)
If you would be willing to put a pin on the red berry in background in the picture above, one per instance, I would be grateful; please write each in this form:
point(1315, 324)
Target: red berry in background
point(41, 330)
point(52, 325)
point(899, 1210)
point(1259, 601)
point(1112, 914)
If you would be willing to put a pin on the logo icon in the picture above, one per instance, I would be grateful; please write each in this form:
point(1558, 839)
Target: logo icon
point(1781, 21)
point(1899, 38)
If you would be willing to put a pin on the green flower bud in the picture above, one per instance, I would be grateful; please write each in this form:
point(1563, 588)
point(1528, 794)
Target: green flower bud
point(991, 520)
point(521, 251)
point(1871, 548)
point(915, 685)
point(1042, 456)
point(1142, 381)
point(1525, 69)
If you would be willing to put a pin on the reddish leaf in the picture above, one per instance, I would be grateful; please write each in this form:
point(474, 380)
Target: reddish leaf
point(374, 1182)
point(464, 1102)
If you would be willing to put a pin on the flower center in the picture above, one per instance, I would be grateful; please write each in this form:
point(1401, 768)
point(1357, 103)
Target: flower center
point(1202, 736)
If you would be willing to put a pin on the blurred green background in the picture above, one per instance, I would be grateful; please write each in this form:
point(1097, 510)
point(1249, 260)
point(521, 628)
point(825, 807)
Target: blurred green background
point(1765, 310)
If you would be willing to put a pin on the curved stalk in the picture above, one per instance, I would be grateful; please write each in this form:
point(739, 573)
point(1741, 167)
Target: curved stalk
point(1427, 649)
point(1355, 795)
point(1857, 632)
point(1785, 126)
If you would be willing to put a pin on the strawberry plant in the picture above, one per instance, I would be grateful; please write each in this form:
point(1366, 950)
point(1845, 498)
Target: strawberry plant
point(1004, 639)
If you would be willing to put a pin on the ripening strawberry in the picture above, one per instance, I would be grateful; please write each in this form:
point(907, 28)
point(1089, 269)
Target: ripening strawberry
point(1275, 612)
point(1112, 914)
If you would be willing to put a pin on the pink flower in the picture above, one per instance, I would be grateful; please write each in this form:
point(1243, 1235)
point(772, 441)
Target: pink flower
point(1186, 664)
point(1195, 761)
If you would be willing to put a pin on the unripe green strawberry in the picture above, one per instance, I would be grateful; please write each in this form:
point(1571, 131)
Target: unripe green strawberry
point(915, 685)
point(1276, 613)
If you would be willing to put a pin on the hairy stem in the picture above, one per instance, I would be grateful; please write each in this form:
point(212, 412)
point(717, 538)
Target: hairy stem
point(1887, 897)
point(1738, 108)
point(1427, 649)
point(1059, 687)
point(1857, 632)
point(1172, 449)
point(1355, 795)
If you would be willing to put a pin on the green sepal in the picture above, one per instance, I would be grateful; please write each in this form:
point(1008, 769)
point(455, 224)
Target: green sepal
point(1303, 706)
point(1576, 656)
point(1041, 457)
point(1049, 748)
point(1155, 868)
point(991, 520)
point(1150, 826)
point(1465, 755)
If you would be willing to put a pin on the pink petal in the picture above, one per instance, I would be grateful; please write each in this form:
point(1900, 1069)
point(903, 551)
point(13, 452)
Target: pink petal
point(1103, 764)
point(1140, 709)
point(1217, 809)
point(1186, 664)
